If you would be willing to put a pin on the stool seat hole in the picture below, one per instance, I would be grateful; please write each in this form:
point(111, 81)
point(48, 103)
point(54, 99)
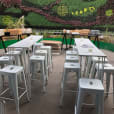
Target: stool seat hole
point(11, 68)
point(37, 57)
point(5, 57)
point(91, 83)
point(72, 65)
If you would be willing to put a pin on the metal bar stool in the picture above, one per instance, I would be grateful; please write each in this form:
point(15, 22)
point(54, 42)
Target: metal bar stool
point(90, 65)
point(35, 59)
point(69, 67)
point(49, 50)
point(5, 60)
point(94, 61)
point(93, 86)
point(13, 72)
point(45, 54)
point(109, 70)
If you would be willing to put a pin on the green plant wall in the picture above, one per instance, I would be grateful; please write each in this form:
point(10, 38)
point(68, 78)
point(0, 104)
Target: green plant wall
point(61, 13)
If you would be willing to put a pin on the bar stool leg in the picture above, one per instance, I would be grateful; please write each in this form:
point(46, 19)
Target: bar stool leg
point(10, 85)
point(43, 77)
point(108, 76)
point(46, 70)
point(79, 101)
point(3, 84)
point(93, 70)
point(102, 103)
point(28, 78)
point(3, 80)
point(26, 86)
point(18, 60)
point(113, 89)
point(14, 83)
point(85, 61)
point(22, 60)
point(99, 75)
point(50, 61)
point(77, 76)
point(24, 57)
point(32, 70)
point(88, 67)
point(97, 103)
point(63, 86)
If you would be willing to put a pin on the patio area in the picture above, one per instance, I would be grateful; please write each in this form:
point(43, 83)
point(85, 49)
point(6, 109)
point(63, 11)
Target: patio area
point(48, 103)
point(56, 56)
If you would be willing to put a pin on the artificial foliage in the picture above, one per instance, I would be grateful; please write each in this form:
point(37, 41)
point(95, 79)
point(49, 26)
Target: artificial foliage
point(9, 3)
point(63, 13)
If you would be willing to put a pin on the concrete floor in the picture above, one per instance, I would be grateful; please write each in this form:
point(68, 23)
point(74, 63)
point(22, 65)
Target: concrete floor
point(48, 103)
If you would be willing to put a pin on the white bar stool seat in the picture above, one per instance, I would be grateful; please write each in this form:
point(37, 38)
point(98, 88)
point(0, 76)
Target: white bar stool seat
point(93, 86)
point(69, 67)
point(71, 58)
point(13, 53)
point(19, 49)
point(43, 53)
point(6, 60)
point(70, 52)
point(13, 72)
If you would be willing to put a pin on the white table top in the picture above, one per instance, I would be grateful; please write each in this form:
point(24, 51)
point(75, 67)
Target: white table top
point(27, 42)
point(86, 48)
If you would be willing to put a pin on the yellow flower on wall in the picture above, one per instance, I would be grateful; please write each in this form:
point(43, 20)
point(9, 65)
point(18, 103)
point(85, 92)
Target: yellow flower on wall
point(76, 13)
point(72, 13)
point(85, 9)
point(92, 9)
point(109, 12)
point(81, 12)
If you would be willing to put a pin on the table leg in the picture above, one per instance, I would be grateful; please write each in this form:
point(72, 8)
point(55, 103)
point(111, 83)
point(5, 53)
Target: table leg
point(89, 37)
point(81, 74)
point(28, 34)
point(64, 38)
point(66, 42)
point(3, 44)
point(97, 38)
point(71, 41)
point(62, 41)
point(18, 38)
point(102, 73)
